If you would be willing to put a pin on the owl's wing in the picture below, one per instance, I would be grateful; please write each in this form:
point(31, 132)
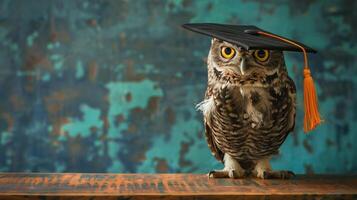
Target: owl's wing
point(292, 93)
point(290, 85)
point(216, 152)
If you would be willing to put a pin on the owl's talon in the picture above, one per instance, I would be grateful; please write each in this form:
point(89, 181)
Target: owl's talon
point(265, 175)
point(210, 174)
point(218, 174)
point(292, 173)
point(224, 174)
point(232, 174)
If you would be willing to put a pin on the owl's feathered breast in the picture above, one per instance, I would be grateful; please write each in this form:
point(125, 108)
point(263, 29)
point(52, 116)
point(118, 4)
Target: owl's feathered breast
point(249, 119)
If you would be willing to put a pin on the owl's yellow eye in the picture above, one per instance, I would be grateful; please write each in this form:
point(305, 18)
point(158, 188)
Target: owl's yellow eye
point(227, 52)
point(261, 55)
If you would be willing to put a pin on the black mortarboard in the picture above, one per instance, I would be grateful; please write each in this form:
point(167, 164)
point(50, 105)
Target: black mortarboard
point(244, 36)
point(252, 37)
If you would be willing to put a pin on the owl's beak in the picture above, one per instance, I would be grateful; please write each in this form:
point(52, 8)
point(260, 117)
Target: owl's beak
point(242, 65)
point(241, 54)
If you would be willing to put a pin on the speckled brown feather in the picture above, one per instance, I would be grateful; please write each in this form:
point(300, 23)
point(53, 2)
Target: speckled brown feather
point(216, 152)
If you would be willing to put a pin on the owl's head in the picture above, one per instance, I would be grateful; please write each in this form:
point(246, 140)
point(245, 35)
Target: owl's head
point(229, 59)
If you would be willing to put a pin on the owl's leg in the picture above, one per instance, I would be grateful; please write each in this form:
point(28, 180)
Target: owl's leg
point(263, 170)
point(232, 169)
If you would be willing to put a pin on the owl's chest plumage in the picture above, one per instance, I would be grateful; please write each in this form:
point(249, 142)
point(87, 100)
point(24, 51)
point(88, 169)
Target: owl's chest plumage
point(249, 122)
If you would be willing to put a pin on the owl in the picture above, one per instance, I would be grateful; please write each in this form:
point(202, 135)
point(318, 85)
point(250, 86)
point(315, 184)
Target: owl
point(249, 109)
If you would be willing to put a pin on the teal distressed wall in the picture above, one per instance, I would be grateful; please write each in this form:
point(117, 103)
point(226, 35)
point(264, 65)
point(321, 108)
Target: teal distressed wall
point(111, 86)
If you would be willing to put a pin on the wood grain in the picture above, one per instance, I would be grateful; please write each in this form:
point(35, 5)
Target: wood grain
point(170, 186)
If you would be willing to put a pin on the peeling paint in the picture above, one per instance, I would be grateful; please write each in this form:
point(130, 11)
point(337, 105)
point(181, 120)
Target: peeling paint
point(81, 127)
point(110, 86)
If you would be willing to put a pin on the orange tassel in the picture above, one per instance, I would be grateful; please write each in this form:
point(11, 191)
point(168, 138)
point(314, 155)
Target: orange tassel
point(312, 115)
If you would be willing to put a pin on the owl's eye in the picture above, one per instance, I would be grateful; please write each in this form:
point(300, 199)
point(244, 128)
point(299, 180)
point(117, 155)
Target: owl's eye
point(227, 52)
point(261, 55)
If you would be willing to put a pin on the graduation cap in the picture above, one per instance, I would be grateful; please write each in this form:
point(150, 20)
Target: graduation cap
point(251, 37)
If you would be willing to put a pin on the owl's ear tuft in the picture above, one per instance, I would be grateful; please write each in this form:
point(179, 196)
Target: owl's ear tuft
point(215, 40)
point(212, 40)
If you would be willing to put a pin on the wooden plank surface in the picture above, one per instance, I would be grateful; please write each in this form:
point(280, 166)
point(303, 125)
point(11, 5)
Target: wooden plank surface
point(170, 186)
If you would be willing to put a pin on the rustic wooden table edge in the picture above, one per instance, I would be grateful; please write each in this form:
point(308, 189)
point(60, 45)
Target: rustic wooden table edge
point(139, 186)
